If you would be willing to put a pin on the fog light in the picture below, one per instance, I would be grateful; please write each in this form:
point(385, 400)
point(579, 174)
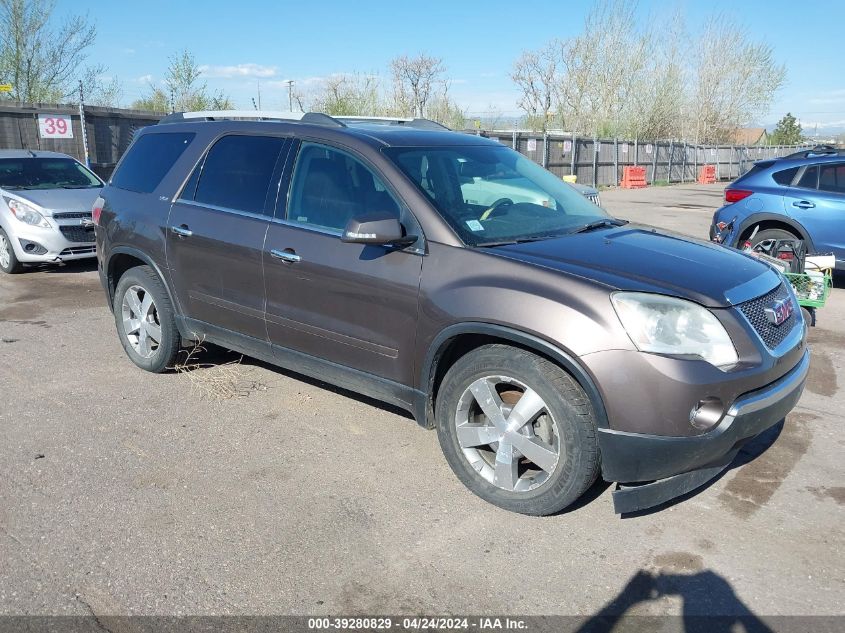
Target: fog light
point(707, 413)
point(33, 248)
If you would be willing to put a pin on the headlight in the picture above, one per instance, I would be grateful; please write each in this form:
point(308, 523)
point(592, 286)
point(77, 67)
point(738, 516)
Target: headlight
point(26, 214)
point(665, 325)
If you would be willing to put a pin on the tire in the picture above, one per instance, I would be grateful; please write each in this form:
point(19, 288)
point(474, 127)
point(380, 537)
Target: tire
point(560, 422)
point(8, 260)
point(772, 234)
point(139, 323)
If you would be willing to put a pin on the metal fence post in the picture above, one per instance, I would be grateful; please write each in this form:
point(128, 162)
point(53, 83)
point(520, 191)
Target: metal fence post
point(514, 143)
point(595, 160)
point(654, 148)
point(684, 165)
point(545, 149)
point(636, 153)
point(615, 161)
point(574, 152)
point(669, 170)
point(718, 165)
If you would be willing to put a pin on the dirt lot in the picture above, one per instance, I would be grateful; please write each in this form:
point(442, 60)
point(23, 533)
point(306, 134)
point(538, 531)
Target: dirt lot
point(126, 492)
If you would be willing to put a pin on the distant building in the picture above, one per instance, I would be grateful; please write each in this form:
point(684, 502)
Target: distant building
point(750, 136)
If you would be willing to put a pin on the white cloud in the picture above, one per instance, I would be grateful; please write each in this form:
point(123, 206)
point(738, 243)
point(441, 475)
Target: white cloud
point(257, 71)
point(128, 51)
point(144, 79)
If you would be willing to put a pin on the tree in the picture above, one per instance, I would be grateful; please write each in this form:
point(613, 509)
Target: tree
point(787, 131)
point(535, 73)
point(349, 95)
point(415, 80)
point(183, 91)
point(43, 61)
point(734, 79)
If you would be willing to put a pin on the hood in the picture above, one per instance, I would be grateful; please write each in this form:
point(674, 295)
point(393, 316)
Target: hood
point(645, 259)
point(58, 199)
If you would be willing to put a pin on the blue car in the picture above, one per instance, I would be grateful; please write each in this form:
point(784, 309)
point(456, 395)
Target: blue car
point(799, 196)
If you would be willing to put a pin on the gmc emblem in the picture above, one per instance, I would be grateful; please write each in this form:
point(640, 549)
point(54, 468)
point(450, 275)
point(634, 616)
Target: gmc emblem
point(780, 311)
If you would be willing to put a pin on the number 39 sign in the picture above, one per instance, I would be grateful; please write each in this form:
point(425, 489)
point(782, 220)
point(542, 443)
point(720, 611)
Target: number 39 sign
point(54, 126)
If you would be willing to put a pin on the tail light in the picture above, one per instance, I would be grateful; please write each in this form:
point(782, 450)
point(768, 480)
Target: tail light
point(735, 195)
point(97, 210)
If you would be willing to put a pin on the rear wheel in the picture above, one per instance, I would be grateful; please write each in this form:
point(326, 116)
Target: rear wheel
point(8, 261)
point(772, 234)
point(145, 320)
point(517, 430)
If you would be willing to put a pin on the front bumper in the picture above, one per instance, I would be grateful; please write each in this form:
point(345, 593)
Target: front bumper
point(58, 247)
point(685, 463)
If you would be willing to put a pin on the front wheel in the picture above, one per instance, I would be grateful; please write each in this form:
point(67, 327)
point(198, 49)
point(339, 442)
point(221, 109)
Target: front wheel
point(517, 430)
point(145, 320)
point(8, 260)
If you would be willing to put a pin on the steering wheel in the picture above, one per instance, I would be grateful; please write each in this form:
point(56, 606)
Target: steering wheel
point(494, 208)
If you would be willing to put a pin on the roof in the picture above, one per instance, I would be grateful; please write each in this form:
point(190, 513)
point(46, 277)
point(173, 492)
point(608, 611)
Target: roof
point(25, 153)
point(749, 135)
point(376, 131)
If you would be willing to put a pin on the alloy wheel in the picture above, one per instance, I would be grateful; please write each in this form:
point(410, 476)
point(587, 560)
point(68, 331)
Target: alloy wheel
point(507, 433)
point(140, 321)
point(5, 252)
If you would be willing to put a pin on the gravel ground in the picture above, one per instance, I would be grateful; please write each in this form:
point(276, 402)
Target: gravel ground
point(123, 492)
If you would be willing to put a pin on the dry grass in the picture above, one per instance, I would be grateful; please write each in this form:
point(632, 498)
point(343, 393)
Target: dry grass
point(216, 381)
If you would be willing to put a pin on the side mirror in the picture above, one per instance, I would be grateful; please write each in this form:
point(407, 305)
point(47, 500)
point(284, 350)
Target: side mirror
point(376, 228)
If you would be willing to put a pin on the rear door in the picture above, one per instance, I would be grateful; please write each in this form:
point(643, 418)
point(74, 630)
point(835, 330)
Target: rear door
point(818, 202)
point(352, 304)
point(217, 229)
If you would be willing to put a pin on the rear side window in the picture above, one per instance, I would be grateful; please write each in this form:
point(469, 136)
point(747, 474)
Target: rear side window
point(237, 173)
point(785, 176)
point(810, 179)
point(832, 178)
point(149, 159)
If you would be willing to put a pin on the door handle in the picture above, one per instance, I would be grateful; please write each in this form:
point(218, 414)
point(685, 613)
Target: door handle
point(803, 204)
point(182, 231)
point(287, 255)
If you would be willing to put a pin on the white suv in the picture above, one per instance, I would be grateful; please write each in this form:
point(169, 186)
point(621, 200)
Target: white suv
point(45, 212)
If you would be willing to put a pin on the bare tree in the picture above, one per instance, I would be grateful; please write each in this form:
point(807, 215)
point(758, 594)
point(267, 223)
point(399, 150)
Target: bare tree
point(535, 73)
point(415, 81)
point(40, 59)
point(734, 79)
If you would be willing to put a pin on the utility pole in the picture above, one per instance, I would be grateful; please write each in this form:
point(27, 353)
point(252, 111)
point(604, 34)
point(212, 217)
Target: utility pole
point(259, 93)
point(82, 124)
point(289, 82)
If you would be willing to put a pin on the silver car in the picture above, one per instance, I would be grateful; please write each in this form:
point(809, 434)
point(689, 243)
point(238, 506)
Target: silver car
point(45, 214)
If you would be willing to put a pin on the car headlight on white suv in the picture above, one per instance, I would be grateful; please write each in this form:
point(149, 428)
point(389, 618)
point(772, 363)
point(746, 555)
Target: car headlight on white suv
point(26, 213)
point(666, 325)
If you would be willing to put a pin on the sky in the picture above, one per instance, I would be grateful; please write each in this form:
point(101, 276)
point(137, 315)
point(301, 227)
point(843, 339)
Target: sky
point(252, 44)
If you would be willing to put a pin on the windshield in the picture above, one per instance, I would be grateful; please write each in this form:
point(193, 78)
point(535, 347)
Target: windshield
point(45, 173)
point(493, 195)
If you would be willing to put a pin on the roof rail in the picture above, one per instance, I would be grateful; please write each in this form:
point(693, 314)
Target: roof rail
point(417, 123)
point(316, 118)
point(818, 150)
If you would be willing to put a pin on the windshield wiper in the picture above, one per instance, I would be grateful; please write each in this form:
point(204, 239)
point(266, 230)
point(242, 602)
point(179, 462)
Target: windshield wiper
point(598, 224)
point(78, 186)
point(519, 240)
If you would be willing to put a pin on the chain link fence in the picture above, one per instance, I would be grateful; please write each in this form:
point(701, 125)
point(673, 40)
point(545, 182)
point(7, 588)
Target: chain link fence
point(599, 162)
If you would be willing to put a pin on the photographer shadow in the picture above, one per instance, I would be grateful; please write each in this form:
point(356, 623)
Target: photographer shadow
point(709, 605)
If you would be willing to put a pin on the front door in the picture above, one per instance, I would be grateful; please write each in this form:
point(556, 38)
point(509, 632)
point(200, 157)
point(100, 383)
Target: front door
point(351, 304)
point(217, 230)
point(818, 202)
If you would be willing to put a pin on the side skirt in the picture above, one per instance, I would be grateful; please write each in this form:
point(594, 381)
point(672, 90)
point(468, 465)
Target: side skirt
point(354, 380)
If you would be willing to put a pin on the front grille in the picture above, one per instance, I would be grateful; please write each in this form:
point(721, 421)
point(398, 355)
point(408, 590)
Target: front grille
point(594, 198)
point(82, 234)
point(73, 215)
point(755, 311)
point(79, 250)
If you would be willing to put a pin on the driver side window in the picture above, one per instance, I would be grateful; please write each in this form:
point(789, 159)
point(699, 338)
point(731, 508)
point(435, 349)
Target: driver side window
point(330, 187)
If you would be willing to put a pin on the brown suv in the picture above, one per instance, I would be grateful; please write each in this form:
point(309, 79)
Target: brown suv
point(444, 273)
